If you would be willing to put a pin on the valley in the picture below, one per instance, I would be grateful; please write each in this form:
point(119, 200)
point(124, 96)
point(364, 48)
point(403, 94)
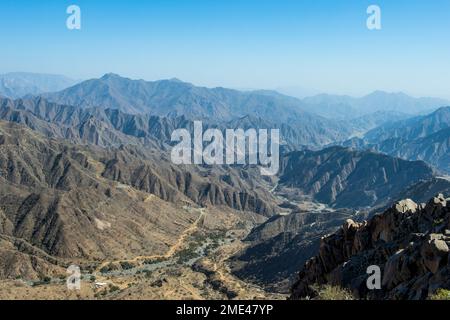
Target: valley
point(194, 267)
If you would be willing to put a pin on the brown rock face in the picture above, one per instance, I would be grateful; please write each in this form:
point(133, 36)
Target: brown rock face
point(409, 242)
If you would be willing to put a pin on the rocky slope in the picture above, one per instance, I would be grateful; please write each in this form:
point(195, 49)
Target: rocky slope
point(112, 127)
point(173, 98)
point(62, 202)
point(425, 190)
point(29, 159)
point(409, 242)
point(346, 178)
point(424, 138)
point(330, 176)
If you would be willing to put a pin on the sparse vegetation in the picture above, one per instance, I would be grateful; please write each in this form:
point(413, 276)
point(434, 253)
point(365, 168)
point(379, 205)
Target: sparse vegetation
point(154, 261)
point(108, 268)
point(147, 273)
point(241, 225)
point(329, 292)
point(113, 288)
point(187, 254)
point(43, 281)
point(125, 265)
point(441, 294)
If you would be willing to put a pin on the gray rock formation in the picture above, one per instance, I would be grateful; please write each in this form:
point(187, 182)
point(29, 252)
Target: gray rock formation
point(409, 242)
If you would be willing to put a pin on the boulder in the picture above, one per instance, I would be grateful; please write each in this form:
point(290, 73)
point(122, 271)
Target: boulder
point(434, 251)
point(405, 206)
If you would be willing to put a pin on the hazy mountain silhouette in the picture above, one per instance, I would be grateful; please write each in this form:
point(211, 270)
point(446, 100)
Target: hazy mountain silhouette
point(19, 84)
point(420, 138)
point(346, 107)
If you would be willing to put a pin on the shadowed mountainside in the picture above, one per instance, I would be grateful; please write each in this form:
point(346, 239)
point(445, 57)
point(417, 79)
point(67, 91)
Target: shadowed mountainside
point(279, 247)
point(346, 178)
point(424, 138)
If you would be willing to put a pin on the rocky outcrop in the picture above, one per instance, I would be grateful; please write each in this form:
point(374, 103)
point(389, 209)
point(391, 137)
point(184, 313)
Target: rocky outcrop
point(409, 242)
point(279, 247)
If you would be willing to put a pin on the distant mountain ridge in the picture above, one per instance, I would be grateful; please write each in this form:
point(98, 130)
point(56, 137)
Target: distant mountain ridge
point(172, 98)
point(102, 124)
point(18, 84)
point(346, 178)
point(313, 121)
point(420, 138)
point(346, 107)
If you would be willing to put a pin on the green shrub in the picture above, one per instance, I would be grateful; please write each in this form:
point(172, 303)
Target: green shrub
point(113, 289)
point(441, 294)
point(126, 265)
point(46, 280)
point(437, 222)
point(329, 292)
point(147, 273)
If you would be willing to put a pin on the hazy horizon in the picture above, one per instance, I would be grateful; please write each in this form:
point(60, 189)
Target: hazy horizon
point(287, 91)
point(319, 46)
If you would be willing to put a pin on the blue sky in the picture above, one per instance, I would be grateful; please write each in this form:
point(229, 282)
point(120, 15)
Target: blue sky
point(322, 45)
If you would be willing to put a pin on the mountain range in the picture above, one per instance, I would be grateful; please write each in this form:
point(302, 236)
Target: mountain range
point(419, 138)
point(86, 177)
point(346, 178)
point(346, 107)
